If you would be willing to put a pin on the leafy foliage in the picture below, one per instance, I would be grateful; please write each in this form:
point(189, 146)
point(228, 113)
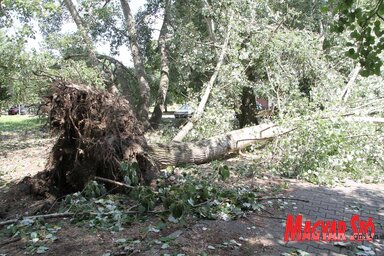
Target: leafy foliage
point(38, 234)
point(364, 20)
point(177, 195)
point(332, 151)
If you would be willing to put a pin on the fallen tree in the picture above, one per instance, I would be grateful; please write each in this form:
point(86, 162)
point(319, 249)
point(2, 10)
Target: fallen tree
point(98, 131)
point(178, 153)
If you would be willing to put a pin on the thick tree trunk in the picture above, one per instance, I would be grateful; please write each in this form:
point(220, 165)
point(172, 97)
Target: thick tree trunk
point(248, 109)
point(199, 112)
point(138, 63)
point(164, 72)
point(217, 147)
point(178, 153)
point(93, 60)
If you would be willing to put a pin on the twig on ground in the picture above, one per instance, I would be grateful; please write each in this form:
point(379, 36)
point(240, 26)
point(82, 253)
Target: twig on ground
point(265, 210)
point(70, 214)
point(200, 204)
point(43, 216)
point(113, 182)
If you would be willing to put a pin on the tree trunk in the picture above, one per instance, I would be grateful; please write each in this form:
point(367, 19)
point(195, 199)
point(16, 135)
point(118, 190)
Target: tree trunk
point(138, 64)
point(178, 153)
point(106, 74)
point(199, 112)
point(164, 72)
point(211, 29)
point(217, 147)
point(248, 109)
point(80, 26)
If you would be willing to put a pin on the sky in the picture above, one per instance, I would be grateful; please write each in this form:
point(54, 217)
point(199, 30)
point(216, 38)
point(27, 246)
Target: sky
point(124, 53)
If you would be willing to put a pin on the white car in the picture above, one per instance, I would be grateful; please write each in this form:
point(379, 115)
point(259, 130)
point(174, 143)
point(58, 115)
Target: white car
point(185, 111)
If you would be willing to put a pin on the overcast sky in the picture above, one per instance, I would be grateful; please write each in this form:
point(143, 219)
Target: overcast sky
point(124, 54)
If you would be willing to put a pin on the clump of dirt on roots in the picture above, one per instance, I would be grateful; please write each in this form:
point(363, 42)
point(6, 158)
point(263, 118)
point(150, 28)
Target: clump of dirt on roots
point(97, 131)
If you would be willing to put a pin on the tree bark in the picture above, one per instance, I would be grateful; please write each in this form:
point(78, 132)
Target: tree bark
point(248, 108)
point(138, 64)
point(211, 29)
point(217, 147)
point(80, 26)
point(178, 153)
point(106, 74)
point(352, 78)
point(164, 70)
point(199, 112)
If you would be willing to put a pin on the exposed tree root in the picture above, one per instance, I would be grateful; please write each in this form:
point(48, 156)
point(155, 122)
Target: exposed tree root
point(97, 131)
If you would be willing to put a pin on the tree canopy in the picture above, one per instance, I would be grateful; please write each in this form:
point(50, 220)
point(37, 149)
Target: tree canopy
point(287, 52)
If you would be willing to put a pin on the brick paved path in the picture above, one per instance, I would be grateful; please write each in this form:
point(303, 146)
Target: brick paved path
point(340, 203)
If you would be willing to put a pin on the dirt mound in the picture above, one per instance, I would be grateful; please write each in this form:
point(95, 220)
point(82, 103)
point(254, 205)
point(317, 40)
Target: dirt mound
point(97, 132)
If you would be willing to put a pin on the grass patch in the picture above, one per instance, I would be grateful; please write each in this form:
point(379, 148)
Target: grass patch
point(19, 123)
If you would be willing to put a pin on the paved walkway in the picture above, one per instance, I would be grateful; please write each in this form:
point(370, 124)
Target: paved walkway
point(340, 203)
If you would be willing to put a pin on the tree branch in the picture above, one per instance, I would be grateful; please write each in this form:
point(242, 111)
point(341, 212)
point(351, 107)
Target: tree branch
point(199, 112)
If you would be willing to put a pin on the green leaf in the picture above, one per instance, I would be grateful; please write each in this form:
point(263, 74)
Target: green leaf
point(381, 9)
point(364, 73)
point(134, 166)
point(127, 180)
point(177, 209)
point(377, 29)
point(224, 172)
point(124, 167)
point(356, 35)
point(358, 13)
point(324, 9)
point(351, 53)
point(41, 249)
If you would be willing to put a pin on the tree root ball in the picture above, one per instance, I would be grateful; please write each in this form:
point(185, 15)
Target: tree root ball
point(97, 131)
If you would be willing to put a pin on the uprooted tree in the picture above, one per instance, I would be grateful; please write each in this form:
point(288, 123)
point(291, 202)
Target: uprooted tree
point(294, 64)
point(97, 131)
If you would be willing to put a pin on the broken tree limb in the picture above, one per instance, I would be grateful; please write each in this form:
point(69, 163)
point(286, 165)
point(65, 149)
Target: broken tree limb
point(352, 78)
point(211, 28)
point(112, 182)
point(282, 198)
point(217, 147)
point(42, 216)
point(199, 112)
point(67, 214)
point(178, 153)
point(364, 119)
